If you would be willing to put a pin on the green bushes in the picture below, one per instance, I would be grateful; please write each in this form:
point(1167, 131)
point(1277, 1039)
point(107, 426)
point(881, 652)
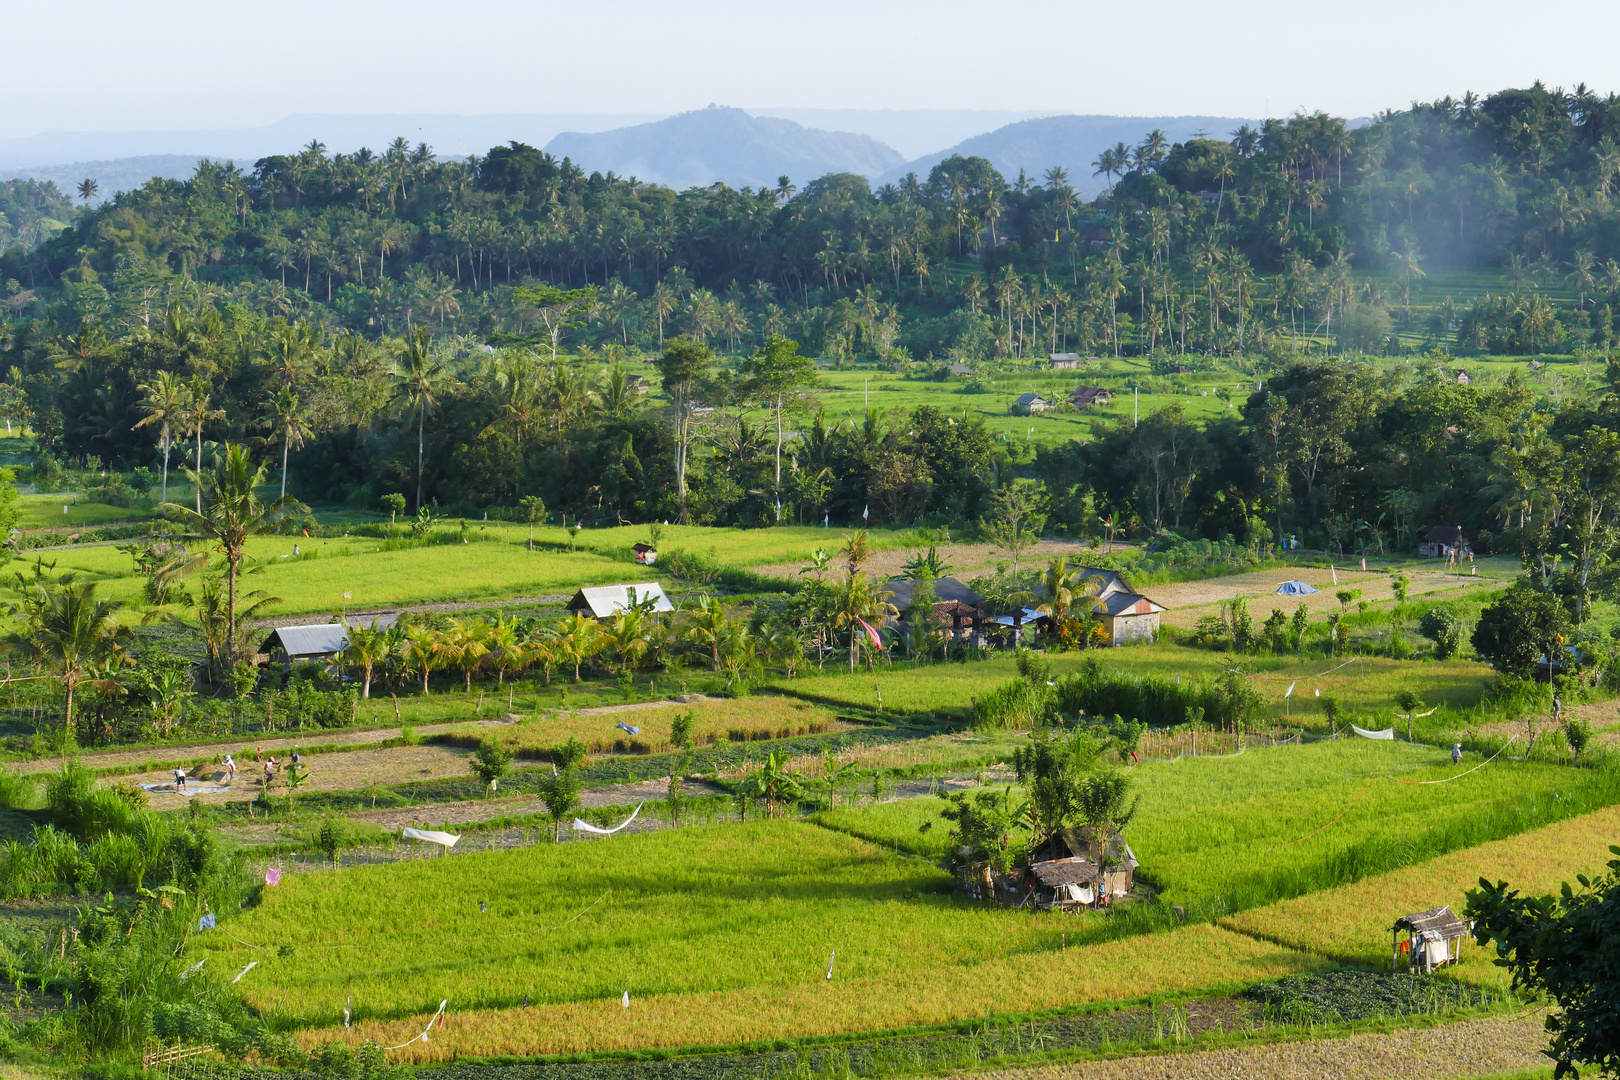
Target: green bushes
point(1014, 705)
point(1155, 700)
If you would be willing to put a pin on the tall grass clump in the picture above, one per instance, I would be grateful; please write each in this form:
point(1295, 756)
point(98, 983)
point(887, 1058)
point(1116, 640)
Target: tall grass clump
point(1154, 699)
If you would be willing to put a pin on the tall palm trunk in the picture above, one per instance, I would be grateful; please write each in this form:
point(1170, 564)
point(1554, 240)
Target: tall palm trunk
point(165, 441)
point(199, 468)
point(286, 439)
point(421, 428)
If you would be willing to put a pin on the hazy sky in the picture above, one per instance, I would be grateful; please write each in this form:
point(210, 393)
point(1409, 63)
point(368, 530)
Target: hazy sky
point(139, 64)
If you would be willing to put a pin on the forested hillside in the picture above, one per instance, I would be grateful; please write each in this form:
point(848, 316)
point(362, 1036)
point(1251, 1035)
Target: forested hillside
point(388, 321)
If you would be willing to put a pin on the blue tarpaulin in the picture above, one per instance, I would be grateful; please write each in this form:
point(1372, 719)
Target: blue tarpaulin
point(1295, 588)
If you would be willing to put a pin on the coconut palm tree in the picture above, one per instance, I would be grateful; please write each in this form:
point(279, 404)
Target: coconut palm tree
point(285, 416)
point(369, 648)
point(421, 651)
point(464, 646)
point(164, 400)
point(194, 415)
point(578, 638)
point(416, 386)
point(70, 633)
point(857, 604)
point(231, 513)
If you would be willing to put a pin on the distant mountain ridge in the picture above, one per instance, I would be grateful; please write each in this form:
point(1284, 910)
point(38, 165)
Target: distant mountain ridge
point(705, 146)
point(1070, 141)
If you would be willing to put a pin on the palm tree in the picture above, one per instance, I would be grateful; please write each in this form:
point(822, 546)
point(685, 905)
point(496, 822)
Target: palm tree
point(70, 633)
point(416, 386)
point(857, 604)
point(422, 651)
point(368, 649)
point(164, 401)
point(578, 638)
point(195, 415)
point(463, 646)
point(231, 513)
point(87, 189)
point(708, 627)
point(285, 416)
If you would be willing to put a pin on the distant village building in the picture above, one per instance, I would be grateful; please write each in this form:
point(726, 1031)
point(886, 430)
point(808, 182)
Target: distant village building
point(637, 384)
point(606, 601)
point(960, 371)
point(1064, 361)
point(1084, 397)
point(1463, 378)
point(1029, 405)
point(1126, 615)
point(1445, 542)
point(1208, 198)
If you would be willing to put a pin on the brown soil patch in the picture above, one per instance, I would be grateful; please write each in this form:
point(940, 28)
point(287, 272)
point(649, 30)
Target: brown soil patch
point(327, 772)
point(966, 560)
point(1469, 1049)
point(1190, 600)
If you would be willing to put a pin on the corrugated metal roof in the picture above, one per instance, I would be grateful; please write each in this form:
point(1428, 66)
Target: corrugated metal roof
point(319, 640)
point(607, 600)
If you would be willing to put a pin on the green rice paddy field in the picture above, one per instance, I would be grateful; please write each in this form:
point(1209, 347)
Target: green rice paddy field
point(724, 933)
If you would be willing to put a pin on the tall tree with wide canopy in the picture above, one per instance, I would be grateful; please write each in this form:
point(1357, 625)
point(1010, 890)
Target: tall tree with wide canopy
point(775, 373)
point(684, 364)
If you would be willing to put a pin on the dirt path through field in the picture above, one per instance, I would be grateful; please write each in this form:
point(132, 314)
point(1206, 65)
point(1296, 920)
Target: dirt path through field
point(1473, 1048)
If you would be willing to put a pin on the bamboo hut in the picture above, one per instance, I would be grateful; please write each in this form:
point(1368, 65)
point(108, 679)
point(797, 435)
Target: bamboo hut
point(1433, 937)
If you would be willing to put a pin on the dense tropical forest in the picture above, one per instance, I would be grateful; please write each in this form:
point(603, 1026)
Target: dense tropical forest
point(460, 331)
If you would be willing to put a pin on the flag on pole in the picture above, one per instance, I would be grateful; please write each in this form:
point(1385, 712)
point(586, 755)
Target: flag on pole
point(1290, 692)
point(866, 513)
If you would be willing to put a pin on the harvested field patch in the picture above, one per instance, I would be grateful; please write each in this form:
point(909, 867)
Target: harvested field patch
point(1190, 600)
point(1352, 922)
point(1471, 1048)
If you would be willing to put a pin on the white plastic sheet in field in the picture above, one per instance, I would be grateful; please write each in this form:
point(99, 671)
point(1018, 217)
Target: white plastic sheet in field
point(447, 839)
point(1387, 733)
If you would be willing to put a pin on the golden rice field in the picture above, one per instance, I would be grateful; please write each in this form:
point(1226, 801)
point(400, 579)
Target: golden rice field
point(714, 720)
point(1352, 922)
point(913, 990)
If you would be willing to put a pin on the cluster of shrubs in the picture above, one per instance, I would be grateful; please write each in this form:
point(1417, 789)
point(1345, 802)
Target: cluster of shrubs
point(1035, 700)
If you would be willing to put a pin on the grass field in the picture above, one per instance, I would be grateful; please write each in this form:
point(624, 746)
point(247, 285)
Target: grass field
point(1368, 686)
point(1226, 834)
point(1352, 922)
point(46, 512)
point(495, 564)
point(698, 910)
